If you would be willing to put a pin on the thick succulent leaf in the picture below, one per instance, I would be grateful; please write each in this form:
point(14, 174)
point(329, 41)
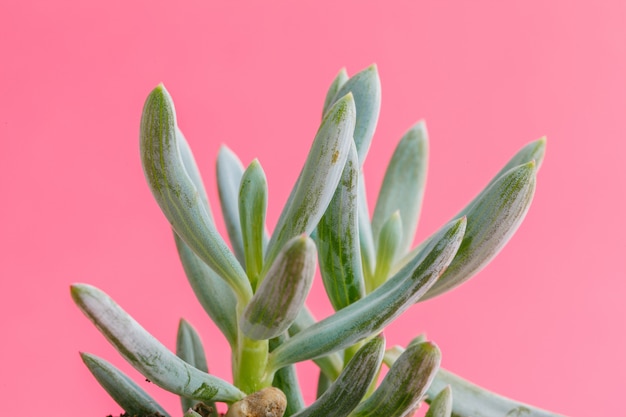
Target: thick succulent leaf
point(189, 348)
point(323, 382)
point(366, 239)
point(405, 383)
point(281, 295)
point(371, 314)
point(471, 400)
point(214, 294)
point(365, 86)
point(337, 240)
point(286, 380)
point(191, 413)
point(347, 391)
point(146, 353)
point(491, 222)
point(403, 185)
point(387, 248)
point(176, 193)
point(189, 162)
point(125, 392)
point(229, 171)
point(337, 83)
point(252, 209)
point(331, 364)
point(318, 179)
point(441, 405)
point(392, 354)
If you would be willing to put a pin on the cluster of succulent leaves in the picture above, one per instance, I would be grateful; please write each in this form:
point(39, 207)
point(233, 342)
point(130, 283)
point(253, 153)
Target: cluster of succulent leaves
point(256, 292)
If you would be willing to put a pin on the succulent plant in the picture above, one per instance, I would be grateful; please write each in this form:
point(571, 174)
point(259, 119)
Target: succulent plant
point(256, 292)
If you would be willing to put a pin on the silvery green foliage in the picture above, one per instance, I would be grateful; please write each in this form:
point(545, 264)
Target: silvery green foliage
point(255, 292)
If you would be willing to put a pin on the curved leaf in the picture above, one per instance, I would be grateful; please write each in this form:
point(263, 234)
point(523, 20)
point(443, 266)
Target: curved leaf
point(372, 313)
point(229, 171)
point(176, 193)
point(405, 383)
point(403, 185)
point(192, 170)
point(387, 247)
point(441, 405)
point(491, 222)
point(213, 293)
point(343, 395)
point(339, 81)
point(366, 239)
point(146, 353)
point(337, 240)
point(133, 399)
point(281, 295)
point(252, 208)
point(365, 86)
point(189, 348)
point(471, 400)
point(318, 179)
point(286, 380)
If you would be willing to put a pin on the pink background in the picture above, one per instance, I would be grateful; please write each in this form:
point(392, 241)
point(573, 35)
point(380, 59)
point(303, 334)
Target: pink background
point(544, 323)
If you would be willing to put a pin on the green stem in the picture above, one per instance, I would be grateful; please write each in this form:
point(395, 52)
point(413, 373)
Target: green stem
point(250, 363)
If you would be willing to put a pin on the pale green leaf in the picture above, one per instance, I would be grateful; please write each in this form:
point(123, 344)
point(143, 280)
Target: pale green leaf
point(146, 353)
point(371, 314)
point(471, 400)
point(286, 380)
point(403, 185)
point(192, 170)
point(404, 385)
point(491, 222)
point(331, 364)
point(252, 209)
point(366, 239)
point(441, 405)
point(343, 395)
point(213, 293)
point(337, 83)
point(337, 240)
point(177, 194)
point(229, 171)
point(189, 348)
point(191, 413)
point(365, 86)
point(323, 382)
point(387, 248)
point(281, 295)
point(124, 391)
point(318, 179)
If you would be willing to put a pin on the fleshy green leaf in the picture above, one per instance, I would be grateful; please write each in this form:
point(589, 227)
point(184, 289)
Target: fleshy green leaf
point(441, 405)
point(337, 240)
point(331, 364)
point(491, 222)
point(366, 239)
point(337, 83)
point(318, 179)
point(471, 400)
point(214, 294)
point(286, 380)
point(387, 249)
point(281, 295)
point(132, 398)
point(323, 382)
point(252, 208)
point(146, 353)
point(176, 193)
point(405, 383)
point(347, 391)
point(365, 86)
point(372, 313)
point(192, 170)
point(403, 185)
point(229, 171)
point(189, 348)
point(191, 413)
